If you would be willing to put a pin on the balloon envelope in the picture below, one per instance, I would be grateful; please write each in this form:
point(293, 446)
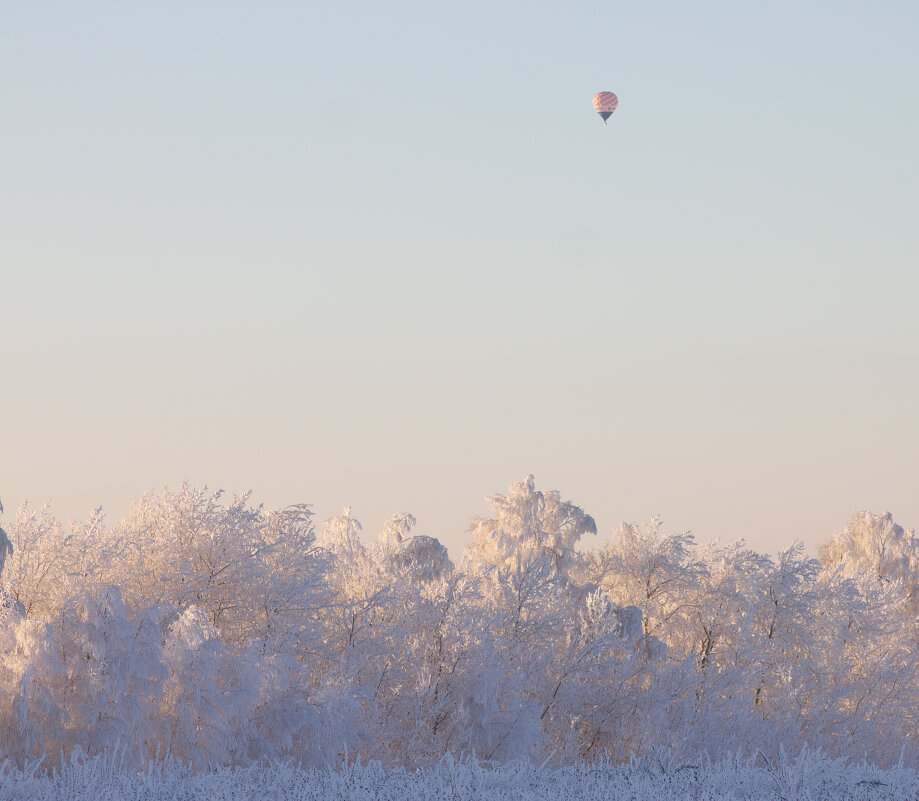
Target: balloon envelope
point(605, 104)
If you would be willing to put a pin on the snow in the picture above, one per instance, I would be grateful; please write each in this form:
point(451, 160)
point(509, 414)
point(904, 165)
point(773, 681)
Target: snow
point(657, 777)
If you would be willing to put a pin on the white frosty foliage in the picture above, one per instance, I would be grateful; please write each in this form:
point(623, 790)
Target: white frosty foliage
point(808, 777)
point(342, 536)
point(529, 524)
point(220, 634)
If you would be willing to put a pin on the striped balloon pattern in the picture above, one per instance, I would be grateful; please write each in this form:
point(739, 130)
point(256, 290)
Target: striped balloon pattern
point(605, 104)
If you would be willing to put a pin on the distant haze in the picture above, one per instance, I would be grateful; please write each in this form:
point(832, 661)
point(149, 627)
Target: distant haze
point(387, 255)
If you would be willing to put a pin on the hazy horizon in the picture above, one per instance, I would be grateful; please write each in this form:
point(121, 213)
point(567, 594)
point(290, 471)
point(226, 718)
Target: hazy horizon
point(456, 537)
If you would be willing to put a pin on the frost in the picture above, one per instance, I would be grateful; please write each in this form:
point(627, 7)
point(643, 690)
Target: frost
point(808, 777)
point(203, 639)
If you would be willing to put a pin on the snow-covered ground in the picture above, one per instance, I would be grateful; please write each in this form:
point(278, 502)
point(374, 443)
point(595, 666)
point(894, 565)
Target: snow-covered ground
point(807, 777)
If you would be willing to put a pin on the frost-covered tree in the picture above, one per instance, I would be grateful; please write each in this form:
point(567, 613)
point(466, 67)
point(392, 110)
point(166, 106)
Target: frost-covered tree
point(657, 573)
point(49, 562)
point(257, 575)
point(525, 561)
point(393, 634)
point(6, 547)
point(29, 717)
point(105, 673)
point(876, 545)
point(206, 698)
point(574, 676)
point(362, 629)
point(288, 586)
point(189, 548)
point(224, 633)
point(598, 695)
point(36, 571)
point(528, 525)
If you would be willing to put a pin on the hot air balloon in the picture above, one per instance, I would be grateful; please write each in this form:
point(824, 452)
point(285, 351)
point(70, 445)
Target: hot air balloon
point(605, 104)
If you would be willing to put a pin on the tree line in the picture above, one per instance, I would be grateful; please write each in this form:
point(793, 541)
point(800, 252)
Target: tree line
point(218, 633)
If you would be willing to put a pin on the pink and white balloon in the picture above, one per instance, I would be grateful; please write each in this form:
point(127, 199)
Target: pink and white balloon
point(605, 104)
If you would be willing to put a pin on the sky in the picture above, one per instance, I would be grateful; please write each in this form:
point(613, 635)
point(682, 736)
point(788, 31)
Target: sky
point(387, 256)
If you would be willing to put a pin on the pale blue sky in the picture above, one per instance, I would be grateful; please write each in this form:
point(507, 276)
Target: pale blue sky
point(387, 255)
